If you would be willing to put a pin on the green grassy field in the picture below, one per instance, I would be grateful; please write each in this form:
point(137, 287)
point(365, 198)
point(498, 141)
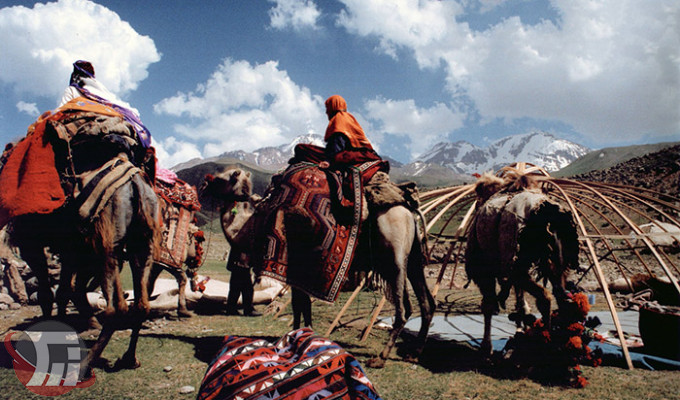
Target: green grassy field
point(447, 370)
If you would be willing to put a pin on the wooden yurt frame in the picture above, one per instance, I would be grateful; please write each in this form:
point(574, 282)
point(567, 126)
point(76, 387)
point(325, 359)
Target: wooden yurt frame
point(619, 208)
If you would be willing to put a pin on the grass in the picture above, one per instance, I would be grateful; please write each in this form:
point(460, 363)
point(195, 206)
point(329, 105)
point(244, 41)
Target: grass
point(447, 370)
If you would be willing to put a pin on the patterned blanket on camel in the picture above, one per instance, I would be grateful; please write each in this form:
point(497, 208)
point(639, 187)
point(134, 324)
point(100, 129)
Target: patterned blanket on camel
point(178, 205)
point(302, 223)
point(300, 365)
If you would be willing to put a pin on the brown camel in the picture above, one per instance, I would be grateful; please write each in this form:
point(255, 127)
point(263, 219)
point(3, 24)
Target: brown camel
point(69, 152)
point(125, 229)
point(517, 234)
point(395, 247)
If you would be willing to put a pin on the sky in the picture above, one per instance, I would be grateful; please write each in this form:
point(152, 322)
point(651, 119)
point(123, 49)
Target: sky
point(211, 76)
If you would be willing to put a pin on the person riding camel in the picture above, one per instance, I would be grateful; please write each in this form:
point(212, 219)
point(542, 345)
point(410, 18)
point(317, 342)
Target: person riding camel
point(83, 83)
point(346, 142)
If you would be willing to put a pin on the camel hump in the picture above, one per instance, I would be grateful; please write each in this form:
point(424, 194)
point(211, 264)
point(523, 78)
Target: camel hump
point(381, 193)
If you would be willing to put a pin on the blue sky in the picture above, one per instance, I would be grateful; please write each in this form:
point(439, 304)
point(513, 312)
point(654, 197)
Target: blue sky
point(210, 76)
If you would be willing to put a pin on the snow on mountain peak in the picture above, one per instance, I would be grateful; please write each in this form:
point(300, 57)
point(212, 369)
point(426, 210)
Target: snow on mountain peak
point(539, 148)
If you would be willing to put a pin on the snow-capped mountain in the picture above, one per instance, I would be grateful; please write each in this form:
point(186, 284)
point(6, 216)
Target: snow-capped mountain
point(539, 148)
point(274, 157)
point(453, 161)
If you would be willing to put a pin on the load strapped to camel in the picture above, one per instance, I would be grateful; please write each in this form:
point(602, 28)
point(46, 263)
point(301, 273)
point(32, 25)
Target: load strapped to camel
point(322, 209)
point(80, 153)
point(179, 204)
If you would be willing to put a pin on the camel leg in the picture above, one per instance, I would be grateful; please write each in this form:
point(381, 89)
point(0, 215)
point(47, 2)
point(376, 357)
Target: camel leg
point(302, 307)
point(45, 295)
point(65, 291)
point(141, 264)
point(398, 284)
point(559, 282)
point(489, 309)
point(156, 270)
point(540, 294)
point(181, 277)
point(426, 303)
point(34, 255)
point(112, 288)
point(79, 298)
point(96, 350)
point(521, 308)
point(129, 359)
point(75, 257)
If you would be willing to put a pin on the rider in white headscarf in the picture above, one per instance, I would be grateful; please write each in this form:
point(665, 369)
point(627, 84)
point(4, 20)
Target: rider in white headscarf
point(83, 77)
point(84, 84)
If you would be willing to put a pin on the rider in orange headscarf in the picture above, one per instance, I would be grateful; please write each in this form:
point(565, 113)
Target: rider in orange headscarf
point(346, 142)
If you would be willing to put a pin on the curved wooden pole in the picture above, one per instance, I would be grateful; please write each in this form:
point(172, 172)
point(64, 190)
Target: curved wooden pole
point(601, 279)
point(443, 210)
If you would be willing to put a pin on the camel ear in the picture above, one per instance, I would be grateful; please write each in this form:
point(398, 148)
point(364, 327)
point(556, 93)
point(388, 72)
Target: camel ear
point(248, 174)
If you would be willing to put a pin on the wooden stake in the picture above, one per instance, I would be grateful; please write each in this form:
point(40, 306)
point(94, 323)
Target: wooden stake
point(348, 303)
point(374, 317)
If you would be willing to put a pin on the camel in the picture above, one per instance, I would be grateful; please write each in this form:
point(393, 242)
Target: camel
point(190, 258)
point(395, 247)
point(181, 276)
point(517, 232)
point(30, 233)
point(125, 229)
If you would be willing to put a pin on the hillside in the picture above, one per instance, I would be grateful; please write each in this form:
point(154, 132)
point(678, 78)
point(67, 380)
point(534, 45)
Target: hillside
point(608, 157)
point(659, 170)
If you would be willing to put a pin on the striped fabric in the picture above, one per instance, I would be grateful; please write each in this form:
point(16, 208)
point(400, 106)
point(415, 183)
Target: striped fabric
point(300, 365)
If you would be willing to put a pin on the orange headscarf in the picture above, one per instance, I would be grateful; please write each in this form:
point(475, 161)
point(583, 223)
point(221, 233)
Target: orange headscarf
point(344, 123)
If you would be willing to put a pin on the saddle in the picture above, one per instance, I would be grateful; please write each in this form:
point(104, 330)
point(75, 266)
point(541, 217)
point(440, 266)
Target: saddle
point(379, 191)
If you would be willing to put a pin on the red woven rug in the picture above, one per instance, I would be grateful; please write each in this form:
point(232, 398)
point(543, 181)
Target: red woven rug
point(304, 191)
point(179, 203)
point(300, 365)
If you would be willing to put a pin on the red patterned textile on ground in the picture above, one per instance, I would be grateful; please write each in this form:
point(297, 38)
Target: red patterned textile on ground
point(300, 365)
point(304, 192)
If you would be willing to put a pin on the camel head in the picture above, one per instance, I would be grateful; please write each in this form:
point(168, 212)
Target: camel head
point(233, 184)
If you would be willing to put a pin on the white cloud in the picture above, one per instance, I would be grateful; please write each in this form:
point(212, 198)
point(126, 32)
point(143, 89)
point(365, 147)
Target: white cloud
point(28, 108)
point(245, 107)
point(411, 24)
point(424, 127)
point(40, 44)
point(609, 68)
point(297, 14)
point(171, 151)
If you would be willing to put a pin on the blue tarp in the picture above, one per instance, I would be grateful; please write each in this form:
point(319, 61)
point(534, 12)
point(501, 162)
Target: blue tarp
point(612, 355)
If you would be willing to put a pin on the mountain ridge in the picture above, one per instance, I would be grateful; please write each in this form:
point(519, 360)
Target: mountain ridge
point(461, 157)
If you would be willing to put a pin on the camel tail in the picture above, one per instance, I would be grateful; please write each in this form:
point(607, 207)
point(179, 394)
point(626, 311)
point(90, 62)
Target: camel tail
point(420, 239)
